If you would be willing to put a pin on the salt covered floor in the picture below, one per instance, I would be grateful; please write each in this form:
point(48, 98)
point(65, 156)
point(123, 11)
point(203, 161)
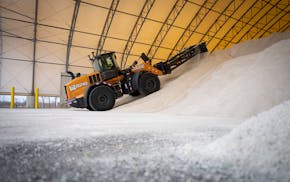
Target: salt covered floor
point(84, 146)
point(223, 117)
point(78, 145)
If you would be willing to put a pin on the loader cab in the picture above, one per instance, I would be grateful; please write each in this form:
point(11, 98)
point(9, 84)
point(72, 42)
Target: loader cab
point(106, 64)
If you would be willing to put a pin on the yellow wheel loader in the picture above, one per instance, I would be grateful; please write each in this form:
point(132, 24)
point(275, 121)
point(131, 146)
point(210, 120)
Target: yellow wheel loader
point(99, 90)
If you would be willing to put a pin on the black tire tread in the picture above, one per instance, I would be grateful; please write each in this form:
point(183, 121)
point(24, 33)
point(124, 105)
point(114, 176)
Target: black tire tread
point(101, 90)
point(135, 93)
point(144, 78)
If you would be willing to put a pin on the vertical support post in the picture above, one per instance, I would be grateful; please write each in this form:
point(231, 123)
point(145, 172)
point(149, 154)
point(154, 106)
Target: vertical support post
point(1, 49)
point(36, 103)
point(34, 45)
point(12, 97)
point(71, 33)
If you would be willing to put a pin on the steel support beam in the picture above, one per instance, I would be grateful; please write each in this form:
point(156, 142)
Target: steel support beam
point(8, 34)
point(232, 29)
point(275, 22)
point(166, 26)
point(59, 43)
point(126, 13)
point(1, 42)
point(179, 43)
point(89, 33)
point(154, 20)
point(192, 26)
point(261, 17)
point(285, 27)
point(216, 11)
point(71, 32)
point(217, 19)
point(107, 25)
point(78, 31)
point(7, 9)
point(34, 45)
point(282, 9)
point(136, 30)
point(1, 50)
point(43, 62)
point(232, 7)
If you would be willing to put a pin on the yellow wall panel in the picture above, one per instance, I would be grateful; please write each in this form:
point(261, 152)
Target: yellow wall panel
point(122, 25)
point(148, 32)
point(185, 16)
point(114, 45)
point(172, 37)
point(91, 19)
point(52, 34)
point(51, 53)
point(139, 48)
point(103, 3)
point(53, 12)
point(130, 6)
point(79, 57)
point(85, 40)
point(23, 7)
point(162, 54)
point(161, 9)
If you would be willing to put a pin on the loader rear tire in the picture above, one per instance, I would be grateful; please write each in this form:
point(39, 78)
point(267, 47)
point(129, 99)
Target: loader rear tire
point(148, 83)
point(102, 98)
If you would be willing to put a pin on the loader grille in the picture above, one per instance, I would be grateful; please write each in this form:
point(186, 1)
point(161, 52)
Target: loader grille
point(94, 78)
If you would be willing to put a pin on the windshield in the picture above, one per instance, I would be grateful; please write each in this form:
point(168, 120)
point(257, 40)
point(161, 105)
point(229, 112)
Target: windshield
point(96, 65)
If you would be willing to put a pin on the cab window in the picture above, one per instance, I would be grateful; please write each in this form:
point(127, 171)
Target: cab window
point(108, 63)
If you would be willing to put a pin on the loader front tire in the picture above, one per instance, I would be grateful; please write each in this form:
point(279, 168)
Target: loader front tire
point(102, 98)
point(135, 93)
point(148, 83)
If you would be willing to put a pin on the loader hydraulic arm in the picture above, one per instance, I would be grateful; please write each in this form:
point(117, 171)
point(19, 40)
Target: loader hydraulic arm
point(180, 58)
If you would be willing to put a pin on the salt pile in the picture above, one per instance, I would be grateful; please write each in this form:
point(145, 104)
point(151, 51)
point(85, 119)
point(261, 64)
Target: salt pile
point(243, 86)
point(259, 147)
point(226, 84)
point(250, 81)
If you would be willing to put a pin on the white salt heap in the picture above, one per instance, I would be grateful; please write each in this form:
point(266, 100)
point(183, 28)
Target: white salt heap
point(226, 84)
point(243, 86)
point(261, 144)
point(250, 80)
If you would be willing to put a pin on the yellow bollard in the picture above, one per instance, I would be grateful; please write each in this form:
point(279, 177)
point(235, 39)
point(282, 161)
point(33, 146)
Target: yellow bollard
point(12, 97)
point(36, 98)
